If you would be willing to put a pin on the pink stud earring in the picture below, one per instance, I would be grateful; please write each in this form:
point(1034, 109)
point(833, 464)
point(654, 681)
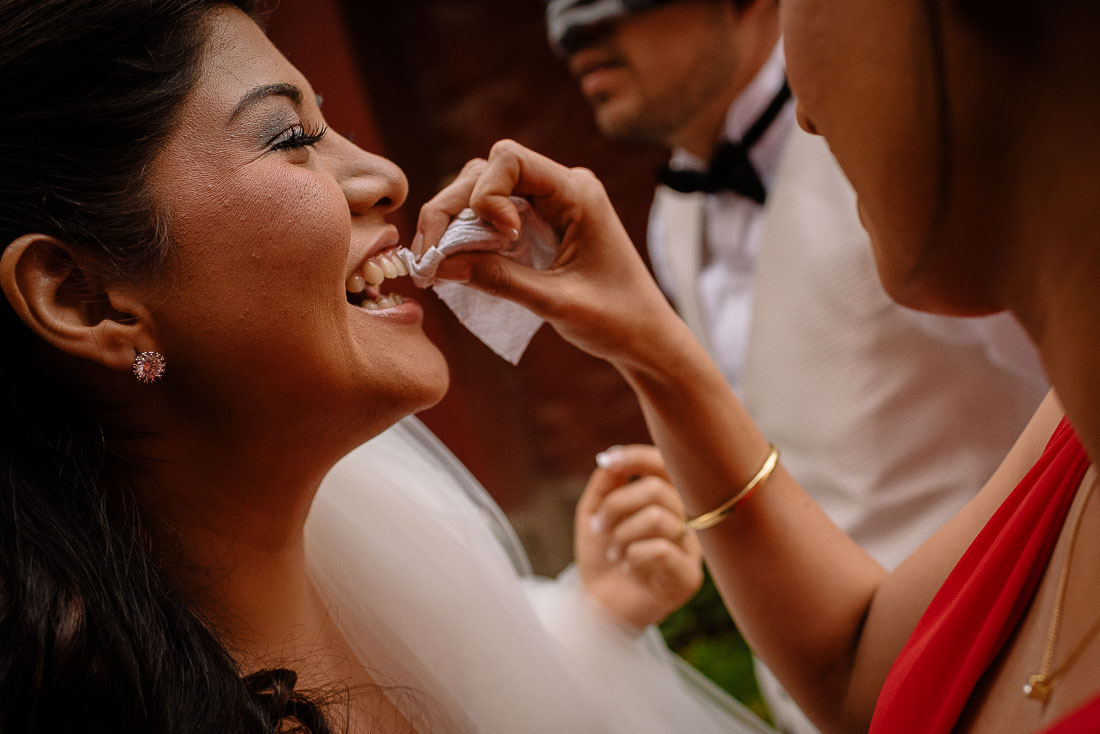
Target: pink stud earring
point(148, 366)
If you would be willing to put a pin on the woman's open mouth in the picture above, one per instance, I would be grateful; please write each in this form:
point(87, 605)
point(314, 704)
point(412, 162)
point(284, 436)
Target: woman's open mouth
point(364, 286)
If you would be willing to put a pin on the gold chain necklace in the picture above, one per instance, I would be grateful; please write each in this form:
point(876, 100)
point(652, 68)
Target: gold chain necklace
point(1039, 685)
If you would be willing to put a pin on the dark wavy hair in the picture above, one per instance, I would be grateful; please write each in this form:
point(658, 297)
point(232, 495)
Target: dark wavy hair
point(93, 636)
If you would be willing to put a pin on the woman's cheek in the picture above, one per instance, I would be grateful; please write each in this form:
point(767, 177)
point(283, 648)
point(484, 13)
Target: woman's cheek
point(302, 232)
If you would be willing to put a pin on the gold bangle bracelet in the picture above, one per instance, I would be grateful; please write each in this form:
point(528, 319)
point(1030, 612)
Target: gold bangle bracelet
point(715, 516)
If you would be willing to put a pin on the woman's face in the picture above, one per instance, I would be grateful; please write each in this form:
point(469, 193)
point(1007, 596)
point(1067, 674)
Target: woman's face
point(269, 225)
point(866, 78)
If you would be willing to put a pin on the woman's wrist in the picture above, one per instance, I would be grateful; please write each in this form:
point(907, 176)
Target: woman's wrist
point(704, 432)
point(666, 353)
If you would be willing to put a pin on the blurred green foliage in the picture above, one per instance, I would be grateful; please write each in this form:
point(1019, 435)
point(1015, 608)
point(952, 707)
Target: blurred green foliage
point(702, 633)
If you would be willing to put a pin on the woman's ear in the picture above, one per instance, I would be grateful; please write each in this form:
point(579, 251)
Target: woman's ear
point(64, 304)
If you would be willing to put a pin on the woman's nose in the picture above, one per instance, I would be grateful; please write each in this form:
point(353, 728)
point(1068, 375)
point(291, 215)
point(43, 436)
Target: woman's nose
point(370, 182)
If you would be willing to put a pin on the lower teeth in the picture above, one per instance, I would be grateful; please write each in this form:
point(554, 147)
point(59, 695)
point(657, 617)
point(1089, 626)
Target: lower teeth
point(394, 299)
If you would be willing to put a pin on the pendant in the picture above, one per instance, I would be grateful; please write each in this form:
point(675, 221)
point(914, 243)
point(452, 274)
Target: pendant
point(1037, 688)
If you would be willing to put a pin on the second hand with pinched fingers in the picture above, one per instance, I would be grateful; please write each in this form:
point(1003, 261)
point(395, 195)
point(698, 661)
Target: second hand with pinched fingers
point(633, 553)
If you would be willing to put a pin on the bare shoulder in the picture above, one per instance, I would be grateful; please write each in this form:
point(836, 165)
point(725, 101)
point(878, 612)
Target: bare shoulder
point(950, 542)
point(906, 593)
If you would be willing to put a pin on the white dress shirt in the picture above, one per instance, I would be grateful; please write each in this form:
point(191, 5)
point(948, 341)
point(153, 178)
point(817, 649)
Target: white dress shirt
point(732, 227)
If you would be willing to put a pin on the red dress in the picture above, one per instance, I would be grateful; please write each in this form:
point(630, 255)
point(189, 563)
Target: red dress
point(982, 600)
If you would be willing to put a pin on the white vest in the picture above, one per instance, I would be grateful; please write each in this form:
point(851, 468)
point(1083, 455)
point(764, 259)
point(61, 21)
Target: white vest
point(890, 424)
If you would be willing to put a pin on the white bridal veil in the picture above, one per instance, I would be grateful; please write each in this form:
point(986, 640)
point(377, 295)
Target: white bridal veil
point(433, 590)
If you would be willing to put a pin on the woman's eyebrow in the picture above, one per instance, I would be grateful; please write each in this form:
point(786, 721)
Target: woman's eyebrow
point(263, 91)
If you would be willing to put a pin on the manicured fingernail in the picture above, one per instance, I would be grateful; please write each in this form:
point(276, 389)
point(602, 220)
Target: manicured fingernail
point(597, 522)
point(607, 458)
point(514, 234)
point(455, 271)
point(613, 554)
point(417, 244)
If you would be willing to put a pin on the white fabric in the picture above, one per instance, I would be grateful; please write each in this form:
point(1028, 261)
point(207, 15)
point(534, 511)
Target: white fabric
point(566, 16)
point(1002, 338)
point(504, 326)
point(732, 228)
point(890, 426)
point(433, 592)
point(682, 223)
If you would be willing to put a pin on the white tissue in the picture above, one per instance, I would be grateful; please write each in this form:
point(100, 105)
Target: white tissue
point(504, 326)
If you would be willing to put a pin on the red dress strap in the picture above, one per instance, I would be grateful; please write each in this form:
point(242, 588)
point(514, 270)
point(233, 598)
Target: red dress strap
point(980, 603)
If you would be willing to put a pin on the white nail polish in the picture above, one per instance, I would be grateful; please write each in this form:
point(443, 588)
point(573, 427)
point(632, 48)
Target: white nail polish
point(606, 458)
point(597, 523)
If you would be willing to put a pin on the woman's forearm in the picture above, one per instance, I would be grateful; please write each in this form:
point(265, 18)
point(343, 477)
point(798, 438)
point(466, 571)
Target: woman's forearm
point(798, 587)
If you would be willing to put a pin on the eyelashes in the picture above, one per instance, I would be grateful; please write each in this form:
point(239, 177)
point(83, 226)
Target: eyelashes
point(298, 137)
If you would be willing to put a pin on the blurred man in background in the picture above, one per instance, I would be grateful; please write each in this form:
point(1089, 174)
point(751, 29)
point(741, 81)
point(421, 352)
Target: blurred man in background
point(705, 78)
point(754, 236)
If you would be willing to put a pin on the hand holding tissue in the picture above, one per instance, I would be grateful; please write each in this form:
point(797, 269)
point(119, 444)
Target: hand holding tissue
point(504, 326)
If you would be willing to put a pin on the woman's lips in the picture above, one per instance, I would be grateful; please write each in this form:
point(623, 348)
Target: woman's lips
point(394, 308)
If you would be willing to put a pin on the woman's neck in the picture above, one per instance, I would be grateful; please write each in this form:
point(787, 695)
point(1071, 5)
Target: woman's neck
point(227, 522)
point(227, 525)
point(1052, 284)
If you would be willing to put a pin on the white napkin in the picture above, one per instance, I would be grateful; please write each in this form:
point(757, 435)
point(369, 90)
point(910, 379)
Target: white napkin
point(504, 326)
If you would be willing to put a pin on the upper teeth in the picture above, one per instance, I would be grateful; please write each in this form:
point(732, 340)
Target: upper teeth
point(376, 269)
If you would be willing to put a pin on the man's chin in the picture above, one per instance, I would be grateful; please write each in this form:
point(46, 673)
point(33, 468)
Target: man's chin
point(617, 122)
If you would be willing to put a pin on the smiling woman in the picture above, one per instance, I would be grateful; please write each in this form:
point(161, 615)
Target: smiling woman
point(307, 215)
point(174, 209)
point(169, 188)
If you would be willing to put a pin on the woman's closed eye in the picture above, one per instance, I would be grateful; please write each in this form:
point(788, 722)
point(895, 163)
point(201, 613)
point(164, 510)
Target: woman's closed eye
point(298, 137)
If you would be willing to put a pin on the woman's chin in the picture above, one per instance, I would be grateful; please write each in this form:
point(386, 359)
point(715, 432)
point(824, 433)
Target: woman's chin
point(436, 387)
point(426, 381)
point(380, 415)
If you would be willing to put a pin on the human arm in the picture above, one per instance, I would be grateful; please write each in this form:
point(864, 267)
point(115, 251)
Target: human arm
point(826, 618)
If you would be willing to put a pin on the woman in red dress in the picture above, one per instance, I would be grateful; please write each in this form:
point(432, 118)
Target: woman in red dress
point(968, 130)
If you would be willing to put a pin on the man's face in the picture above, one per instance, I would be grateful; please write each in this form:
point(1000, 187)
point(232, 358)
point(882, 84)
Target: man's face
point(646, 74)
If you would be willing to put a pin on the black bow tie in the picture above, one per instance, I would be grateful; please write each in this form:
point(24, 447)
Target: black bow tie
point(730, 168)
